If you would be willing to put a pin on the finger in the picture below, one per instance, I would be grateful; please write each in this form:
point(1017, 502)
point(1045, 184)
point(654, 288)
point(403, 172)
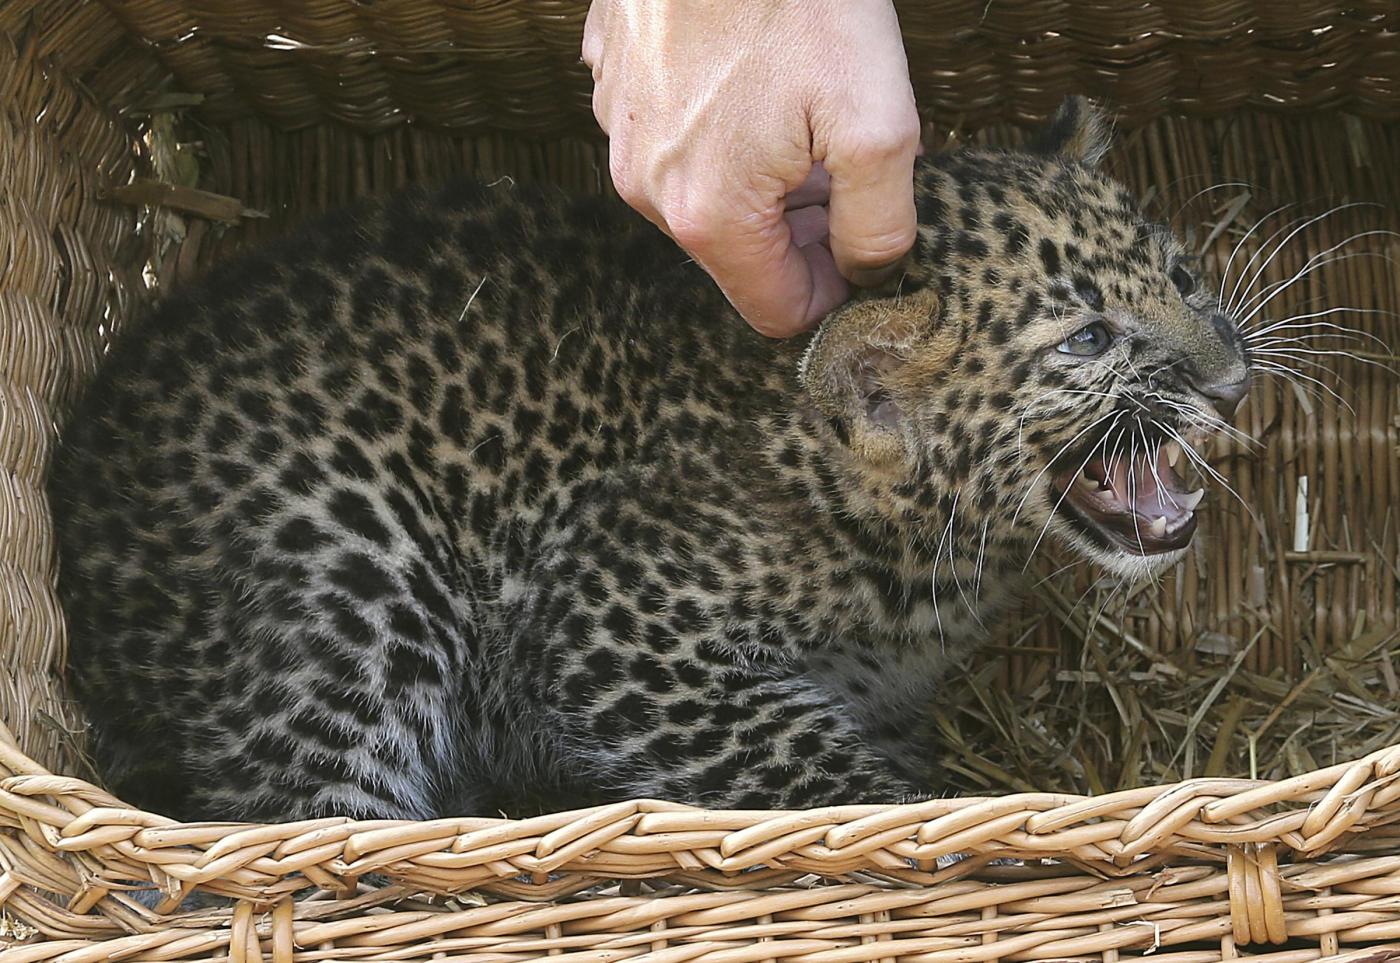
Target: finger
point(600, 102)
point(814, 190)
point(829, 289)
point(592, 50)
point(872, 198)
point(779, 288)
point(791, 296)
point(807, 224)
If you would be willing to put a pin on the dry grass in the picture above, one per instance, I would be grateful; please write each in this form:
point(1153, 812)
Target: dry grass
point(1106, 712)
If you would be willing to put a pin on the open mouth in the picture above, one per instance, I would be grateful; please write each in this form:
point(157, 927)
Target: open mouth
point(1136, 502)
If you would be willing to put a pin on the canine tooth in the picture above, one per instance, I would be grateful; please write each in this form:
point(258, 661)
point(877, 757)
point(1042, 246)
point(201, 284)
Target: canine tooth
point(1173, 453)
point(1192, 499)
point(1159, 526)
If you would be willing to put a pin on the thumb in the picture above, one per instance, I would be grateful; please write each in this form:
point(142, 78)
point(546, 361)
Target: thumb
point(778, 287)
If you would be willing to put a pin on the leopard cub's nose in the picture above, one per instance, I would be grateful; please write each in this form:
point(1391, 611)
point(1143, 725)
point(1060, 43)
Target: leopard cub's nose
point(1225, 396)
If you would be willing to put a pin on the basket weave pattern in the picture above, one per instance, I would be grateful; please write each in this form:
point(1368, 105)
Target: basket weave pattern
point(71, 275)
point(730, 885)
point(304, 108)
point(514, 66)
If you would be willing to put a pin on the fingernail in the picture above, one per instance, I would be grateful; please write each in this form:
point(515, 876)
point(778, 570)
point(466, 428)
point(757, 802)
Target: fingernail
point(870, 277)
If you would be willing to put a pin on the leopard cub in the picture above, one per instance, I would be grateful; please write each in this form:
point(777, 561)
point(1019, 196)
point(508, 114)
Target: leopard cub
point(485, 497)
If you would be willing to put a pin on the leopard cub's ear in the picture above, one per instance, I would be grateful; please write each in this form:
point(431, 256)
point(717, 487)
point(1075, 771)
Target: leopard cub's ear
point(858, 367)
point(1079, 131)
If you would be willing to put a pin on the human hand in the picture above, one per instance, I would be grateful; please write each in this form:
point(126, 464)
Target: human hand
point(773, 140)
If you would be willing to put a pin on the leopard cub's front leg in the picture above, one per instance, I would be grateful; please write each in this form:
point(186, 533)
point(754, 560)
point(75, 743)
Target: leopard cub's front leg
point(735, 737)
point(662, 681)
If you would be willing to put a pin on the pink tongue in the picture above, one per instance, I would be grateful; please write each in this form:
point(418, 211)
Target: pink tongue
point(1136, 485)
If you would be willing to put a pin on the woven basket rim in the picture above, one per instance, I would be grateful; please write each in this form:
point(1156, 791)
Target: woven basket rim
point(1304, 816)
point(739, 868)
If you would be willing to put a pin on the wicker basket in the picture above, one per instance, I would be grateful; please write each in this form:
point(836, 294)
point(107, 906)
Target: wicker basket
point(303, 104)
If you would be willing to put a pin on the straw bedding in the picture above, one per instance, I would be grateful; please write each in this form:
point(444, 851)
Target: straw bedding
point(1263, 670)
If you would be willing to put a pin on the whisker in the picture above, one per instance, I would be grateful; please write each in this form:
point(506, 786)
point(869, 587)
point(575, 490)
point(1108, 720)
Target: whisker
point(1063, 448)
point(1050, 517)
point(1199, 460)
point(1289, 374)
point(1321, 341)
point(1309, 267)
point(1231, 310)
point(1117, 450)
point(1245, 277)
point(1323, 370)
point(1072, 563)
point(952, 568)
point(1225, 271)
point(1286, 324)
point(1206, 190)
point(1296, 353)
point(1208, 422)
point(981, 558)
point(1132, 494)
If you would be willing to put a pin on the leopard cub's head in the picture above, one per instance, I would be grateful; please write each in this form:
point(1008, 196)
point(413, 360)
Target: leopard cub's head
point(1047, 364)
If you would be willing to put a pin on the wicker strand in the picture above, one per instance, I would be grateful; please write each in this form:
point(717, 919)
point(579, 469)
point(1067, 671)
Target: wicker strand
point(515, 66)
point(1191, 872)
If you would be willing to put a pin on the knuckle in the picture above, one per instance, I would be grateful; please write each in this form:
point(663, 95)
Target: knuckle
point(879, 248)
point(771, 327)
point(591, 53)
point(625, 181)
point(877, 149)
point(881, 143)
point(600, 111)
point(693, 224)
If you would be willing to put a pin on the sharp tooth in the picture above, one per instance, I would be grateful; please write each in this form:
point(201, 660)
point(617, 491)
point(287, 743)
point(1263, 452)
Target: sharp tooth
point(1192, 499)
point(1087, 479)
point(1159, 526)
point(1173, 453)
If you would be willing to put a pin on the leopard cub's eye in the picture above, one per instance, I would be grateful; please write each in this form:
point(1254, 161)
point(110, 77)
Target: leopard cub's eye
point(1088, 341)
point(1183, 279)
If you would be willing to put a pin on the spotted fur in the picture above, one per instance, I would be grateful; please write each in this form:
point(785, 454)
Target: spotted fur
point(483, 497)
